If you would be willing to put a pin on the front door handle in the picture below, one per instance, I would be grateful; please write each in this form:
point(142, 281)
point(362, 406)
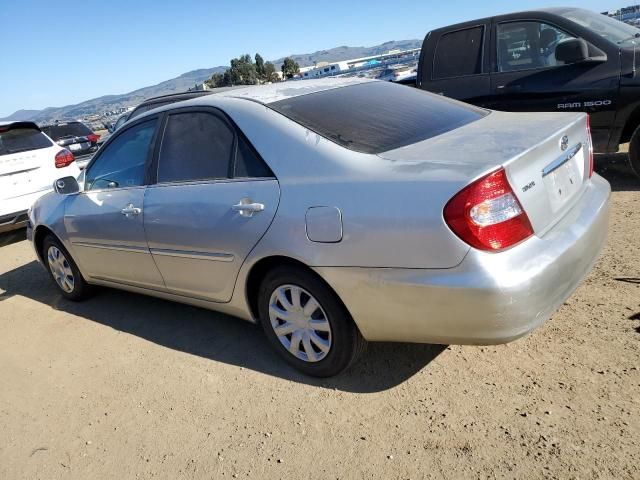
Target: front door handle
point(130, 210)
point(247, 207)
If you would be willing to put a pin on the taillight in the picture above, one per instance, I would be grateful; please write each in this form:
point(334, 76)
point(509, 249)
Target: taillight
point(487, 215)
point(93, 138)
point(64, 158)
point(590, 146)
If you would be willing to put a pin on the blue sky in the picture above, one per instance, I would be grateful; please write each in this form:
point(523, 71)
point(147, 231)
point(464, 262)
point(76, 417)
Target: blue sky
point(56, 53)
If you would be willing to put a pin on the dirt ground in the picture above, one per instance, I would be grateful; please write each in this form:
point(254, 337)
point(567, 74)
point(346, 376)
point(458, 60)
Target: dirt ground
point(126, 386)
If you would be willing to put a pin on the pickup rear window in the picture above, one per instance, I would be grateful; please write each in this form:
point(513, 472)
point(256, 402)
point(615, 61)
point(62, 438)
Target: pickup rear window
point(375, 117)
point(62, 130)
point(15, 140)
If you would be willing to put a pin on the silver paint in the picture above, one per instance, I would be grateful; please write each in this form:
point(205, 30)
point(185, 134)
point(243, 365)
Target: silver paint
point(398, 268)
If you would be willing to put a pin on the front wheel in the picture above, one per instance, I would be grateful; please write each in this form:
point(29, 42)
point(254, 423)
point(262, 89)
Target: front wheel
point(307, 323)
point(63, 270)
point(634, 152)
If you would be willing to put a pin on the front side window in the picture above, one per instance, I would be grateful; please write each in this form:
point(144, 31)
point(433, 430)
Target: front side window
point(195, 146)
point(459, 53)
point(528, 45)
point(122, 162)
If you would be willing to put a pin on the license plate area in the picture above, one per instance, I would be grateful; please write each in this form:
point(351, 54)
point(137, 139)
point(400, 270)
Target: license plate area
point(563, 182)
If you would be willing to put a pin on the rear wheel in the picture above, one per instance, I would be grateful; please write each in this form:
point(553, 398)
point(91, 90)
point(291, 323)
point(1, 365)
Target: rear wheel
point(63, 270)
point(634, 152)
point(307, 323)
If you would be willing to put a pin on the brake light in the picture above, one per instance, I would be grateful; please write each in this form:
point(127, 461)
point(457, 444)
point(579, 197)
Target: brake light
point(487, 215)
point(93, 138)
point(590, 146)
point(64, 158)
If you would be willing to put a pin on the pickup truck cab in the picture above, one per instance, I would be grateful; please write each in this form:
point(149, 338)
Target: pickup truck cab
point(556, 59)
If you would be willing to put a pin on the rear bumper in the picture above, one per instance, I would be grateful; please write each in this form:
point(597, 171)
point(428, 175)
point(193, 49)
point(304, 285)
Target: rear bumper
point(13, 221)
point(490, 297)
point(13, 211)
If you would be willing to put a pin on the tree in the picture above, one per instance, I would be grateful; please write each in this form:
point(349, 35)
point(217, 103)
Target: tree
point(242, 71)
point(290, 67)
point(216, 80)
point(270, 74)
point(260, 67)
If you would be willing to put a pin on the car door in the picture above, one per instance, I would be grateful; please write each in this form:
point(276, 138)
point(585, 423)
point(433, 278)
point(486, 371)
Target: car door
point(105, 220)
point(528, 78)
point(459, 64)
point(213, 201)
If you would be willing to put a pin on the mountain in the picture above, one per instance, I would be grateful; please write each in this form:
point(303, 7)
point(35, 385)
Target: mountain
point(189, 79)
point(21, 115)
point(346, 53)
point(111, 102)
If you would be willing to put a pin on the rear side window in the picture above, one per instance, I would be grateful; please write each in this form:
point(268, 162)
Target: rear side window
point(459, 53)
point(248, 163)
point(66, 130)
point(15, 140)
point(376, 116)
point(195, 146)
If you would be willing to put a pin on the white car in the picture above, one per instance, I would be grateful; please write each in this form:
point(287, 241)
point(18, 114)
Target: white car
point(29, 164)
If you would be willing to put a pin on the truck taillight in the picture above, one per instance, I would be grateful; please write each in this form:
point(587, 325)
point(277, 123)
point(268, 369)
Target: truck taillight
point(64, 158)
point(487, 215)
point(590, 146)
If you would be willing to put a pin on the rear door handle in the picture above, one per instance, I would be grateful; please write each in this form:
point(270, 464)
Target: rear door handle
point(130, 210)
point(247, 207)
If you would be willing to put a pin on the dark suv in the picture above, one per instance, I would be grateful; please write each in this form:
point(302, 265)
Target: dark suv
point(76, 137)
point(557, 59)
point(163, 100)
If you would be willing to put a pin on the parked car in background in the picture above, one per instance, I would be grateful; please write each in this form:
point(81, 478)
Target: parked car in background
point(334, 212)
point(29, 164)
point(402, 74)
point(556, 59)
point(162, 100)
point(76, 137)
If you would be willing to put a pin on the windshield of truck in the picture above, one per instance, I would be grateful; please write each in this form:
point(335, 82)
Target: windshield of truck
point(607, 27)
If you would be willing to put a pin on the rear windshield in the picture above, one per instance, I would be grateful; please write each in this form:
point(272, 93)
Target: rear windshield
point(65, 130)
point(377, 116)
point(18, 140)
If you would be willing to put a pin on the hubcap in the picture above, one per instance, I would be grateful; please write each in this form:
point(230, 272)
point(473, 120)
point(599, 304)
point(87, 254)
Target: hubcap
point(300, 323)
point(60, 269)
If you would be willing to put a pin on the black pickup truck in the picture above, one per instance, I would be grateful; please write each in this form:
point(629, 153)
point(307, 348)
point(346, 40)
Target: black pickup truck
point(557, 59)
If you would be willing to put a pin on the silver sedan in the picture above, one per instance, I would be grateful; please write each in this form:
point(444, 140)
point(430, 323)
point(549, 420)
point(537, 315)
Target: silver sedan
point(336, 212)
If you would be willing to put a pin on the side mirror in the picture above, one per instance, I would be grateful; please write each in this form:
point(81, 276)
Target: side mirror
point(576, 50)
point(66, 186)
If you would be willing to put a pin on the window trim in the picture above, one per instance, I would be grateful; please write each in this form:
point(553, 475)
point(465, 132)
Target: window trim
point(495, 66)
point(482, 52)
point(152, 147)
point(237, 134)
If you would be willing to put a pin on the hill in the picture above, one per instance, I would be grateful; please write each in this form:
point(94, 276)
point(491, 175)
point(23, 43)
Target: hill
point(189, 79)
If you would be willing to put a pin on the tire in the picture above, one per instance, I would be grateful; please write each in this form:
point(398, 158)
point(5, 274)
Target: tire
point(634, 152)
point(63, 270)
point(327, 331)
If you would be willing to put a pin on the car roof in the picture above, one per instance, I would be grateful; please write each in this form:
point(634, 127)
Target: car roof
point(274, 92)
point(176, 97)
point(263, 94)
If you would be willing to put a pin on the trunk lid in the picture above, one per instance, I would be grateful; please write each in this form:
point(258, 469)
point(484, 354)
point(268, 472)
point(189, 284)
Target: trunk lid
point(545, 156)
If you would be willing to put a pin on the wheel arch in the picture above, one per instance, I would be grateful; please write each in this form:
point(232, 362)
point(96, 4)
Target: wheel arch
point(630, 125)
point(39, 234)
point(263, 266)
